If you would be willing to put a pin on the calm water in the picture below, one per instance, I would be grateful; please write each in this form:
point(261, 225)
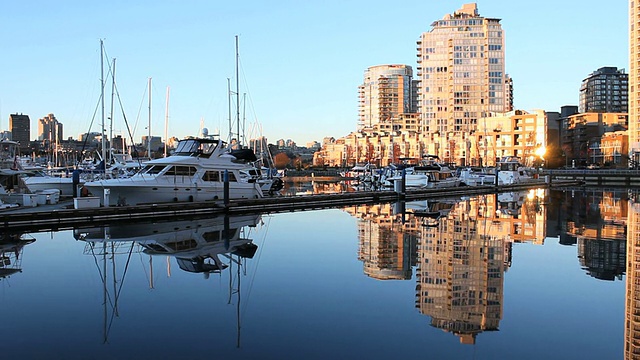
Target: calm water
point(530, 275)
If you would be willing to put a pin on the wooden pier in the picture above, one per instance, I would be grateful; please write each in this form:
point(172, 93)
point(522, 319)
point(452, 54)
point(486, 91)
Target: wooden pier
point(52, 217)
point(598, 177)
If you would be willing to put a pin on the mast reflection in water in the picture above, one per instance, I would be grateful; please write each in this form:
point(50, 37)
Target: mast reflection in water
point(197, 246)
point(11, 249)
point(425, 279)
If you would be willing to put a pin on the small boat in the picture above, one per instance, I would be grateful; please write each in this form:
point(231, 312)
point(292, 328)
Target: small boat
point(477, 176)
point(511, 171)
point(38, 180)
point(440, 175)
point(394, 173)
point(430, 173)
point(362, 173)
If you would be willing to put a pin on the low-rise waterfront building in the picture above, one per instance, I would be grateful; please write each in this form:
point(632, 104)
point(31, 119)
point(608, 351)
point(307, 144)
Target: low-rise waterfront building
point(584, 142)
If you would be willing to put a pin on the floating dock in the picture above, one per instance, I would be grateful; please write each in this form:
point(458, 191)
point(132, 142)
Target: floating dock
point(59, 217)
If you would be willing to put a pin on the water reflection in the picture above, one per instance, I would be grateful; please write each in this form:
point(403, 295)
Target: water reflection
point(11, 248)
point(304, 187)
point(597, 222)
point(632, 302)
point(205, 246)
point(196, 244)
point(460, 248)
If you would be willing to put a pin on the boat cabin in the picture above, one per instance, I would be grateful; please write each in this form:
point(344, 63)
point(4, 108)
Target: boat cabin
point(197, 147)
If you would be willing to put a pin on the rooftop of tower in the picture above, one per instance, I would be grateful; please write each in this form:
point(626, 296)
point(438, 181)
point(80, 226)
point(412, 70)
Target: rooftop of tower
point(467, 10)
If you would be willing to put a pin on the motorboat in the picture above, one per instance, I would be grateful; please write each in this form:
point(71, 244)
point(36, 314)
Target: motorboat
point(263, 176)
point(440, 175)
point(430, 173)
point(362, 173)
point(394, 173)
point(39, 180)
point(477, 176)
point(511, 171)
point(196, 171)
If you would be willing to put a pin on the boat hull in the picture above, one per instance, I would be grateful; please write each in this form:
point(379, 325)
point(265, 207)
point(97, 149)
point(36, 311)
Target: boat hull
point(65, 185)
point(126, 192)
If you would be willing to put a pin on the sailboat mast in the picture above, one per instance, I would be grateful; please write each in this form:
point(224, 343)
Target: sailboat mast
point(102, 130)
point(230, 118)
point(149, 134)
point(238, 90)
point(113, 91)
point(166, 123)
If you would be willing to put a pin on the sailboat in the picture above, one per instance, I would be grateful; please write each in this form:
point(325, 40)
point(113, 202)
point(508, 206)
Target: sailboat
point(256, 172)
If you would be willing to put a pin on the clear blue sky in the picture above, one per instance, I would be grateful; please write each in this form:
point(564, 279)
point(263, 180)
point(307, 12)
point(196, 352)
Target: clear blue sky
point(301, 61)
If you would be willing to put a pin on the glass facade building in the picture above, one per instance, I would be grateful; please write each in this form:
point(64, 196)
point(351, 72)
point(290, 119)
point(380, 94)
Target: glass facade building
point(605, 90)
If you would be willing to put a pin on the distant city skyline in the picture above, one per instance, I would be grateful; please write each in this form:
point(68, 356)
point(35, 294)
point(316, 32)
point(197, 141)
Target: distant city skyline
point(301, 64)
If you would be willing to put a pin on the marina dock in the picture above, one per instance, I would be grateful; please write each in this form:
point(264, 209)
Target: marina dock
point(64, 216)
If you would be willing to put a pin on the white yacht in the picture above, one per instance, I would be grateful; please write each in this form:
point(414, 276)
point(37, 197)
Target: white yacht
point(194, 172)
point(38, 180)
point(511, 171)
point(477, 176)
point(361, 173)
point(430, 173)
point(394, 173)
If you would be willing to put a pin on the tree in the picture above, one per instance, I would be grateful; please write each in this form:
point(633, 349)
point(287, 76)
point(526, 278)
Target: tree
point(281, 160)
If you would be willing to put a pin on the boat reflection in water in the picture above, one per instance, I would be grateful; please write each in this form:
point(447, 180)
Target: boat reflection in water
point(197, 245)
point(11, 248)
point(459, 248)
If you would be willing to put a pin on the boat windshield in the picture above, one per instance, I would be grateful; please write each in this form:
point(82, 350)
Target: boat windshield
point(152, 169)
point(196, 147)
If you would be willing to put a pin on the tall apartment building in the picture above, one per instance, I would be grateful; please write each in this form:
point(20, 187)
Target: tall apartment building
point(634, 84)
point(49, 128)
point(508, 93)
point(461, 68)
point(605, 90)
point(20, 127)
point(385, 93)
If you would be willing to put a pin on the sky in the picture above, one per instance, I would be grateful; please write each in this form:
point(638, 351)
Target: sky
point(300, 61)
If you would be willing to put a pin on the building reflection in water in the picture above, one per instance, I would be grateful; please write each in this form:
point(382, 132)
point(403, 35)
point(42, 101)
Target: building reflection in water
point(462, 261)
point(596, 221)
point(460, 249)
point(632, 298)
point(387, 247)
point(320, 186)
